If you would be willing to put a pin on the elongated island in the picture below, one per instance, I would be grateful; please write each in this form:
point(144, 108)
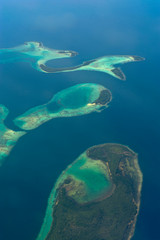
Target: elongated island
point(74, 101)
point(96, 198)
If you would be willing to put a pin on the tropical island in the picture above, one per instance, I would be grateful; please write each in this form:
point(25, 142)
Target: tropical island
point(74, 101)
point(95, 198)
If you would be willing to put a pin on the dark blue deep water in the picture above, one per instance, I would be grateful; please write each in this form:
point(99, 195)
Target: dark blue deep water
point(92, 28)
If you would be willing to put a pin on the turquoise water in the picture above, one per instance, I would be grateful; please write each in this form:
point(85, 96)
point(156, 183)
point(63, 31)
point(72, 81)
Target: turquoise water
point(32, 52)
point(94, 29)
point(66, 102)
point(95, 180)
point(106, 64)
point(6, 57)
point(36, 54)
point(78, 98)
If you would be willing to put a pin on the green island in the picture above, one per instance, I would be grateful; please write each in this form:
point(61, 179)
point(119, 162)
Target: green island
point(34, 53)
point(74, 101)
point(8, 137)
point(104, 64)
point(96, 198)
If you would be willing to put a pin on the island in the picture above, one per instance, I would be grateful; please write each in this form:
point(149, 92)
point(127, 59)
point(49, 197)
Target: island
point(74, 101)
point(8, 137)
point(34, 53)
point(104, 64)
point(97, 197)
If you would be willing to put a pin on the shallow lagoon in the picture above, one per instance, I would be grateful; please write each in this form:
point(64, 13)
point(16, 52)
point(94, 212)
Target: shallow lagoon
point(86, 180)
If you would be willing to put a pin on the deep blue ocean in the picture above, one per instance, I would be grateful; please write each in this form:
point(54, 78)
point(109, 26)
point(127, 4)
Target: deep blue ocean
point(92, 28)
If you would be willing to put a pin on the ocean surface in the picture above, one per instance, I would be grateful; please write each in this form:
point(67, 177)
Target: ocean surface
point(92, 28)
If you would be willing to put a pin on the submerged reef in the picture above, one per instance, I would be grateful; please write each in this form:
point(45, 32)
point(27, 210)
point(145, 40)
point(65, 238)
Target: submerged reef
point(97, 197)
point(34, 53)
point(8, 137)
point(38, 55)
point(104, 64)
point(74, 101)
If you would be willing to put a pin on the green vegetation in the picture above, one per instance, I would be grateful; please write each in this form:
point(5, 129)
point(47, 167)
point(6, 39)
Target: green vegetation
point(109, 218)
point(104, 97)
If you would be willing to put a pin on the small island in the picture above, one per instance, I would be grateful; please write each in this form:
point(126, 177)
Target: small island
point(74, 101)
point(8, 137)
point(95, 198)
